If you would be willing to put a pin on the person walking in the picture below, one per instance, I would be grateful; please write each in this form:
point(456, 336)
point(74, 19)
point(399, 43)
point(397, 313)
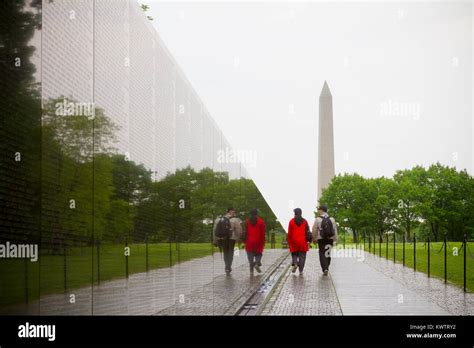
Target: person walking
point(227, 230)
point(324, 234)
point(254, 239)
point(298, 238)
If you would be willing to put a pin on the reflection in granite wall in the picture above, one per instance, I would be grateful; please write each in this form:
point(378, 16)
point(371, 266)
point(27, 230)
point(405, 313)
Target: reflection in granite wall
point(20, 151)
point(20, 107)
point(110, 160)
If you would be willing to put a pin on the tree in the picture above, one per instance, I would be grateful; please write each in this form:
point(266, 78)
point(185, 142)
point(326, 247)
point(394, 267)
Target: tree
point(132, 181)
point(77, 184)
point(184, 204)
point(145, 8)
point(347, 200)
point(446, 207)
point(410, 193)
point(384, 205)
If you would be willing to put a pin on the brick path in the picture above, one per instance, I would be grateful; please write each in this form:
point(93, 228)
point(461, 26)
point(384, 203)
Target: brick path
point(310, 294)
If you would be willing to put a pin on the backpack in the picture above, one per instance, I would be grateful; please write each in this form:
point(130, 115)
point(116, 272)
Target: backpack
point(243, 236)
point(309, 235)
point(326, 229)
point(245, 233)
point(223, 229)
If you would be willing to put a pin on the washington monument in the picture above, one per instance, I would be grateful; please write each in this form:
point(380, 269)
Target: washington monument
point(326, 169)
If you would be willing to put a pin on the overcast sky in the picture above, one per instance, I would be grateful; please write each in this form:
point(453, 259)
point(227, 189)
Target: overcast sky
point(400, 75)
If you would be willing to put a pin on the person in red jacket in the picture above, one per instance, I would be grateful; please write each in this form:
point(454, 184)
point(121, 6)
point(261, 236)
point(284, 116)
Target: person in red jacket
point(298, 230)
point(254, 240)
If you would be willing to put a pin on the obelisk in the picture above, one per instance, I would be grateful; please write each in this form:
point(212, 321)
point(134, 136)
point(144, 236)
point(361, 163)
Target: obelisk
point(326, 170)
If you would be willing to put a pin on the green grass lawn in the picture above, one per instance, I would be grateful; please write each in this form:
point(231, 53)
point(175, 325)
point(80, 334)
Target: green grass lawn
point(278, 239)
point(454, 263)
point(16, 273)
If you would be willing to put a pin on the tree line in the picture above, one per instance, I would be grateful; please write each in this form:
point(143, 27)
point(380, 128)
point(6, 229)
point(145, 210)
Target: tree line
point(427, 202)
point(92, 193)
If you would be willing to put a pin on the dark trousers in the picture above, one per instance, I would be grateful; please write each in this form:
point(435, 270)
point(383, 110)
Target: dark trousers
point(325, 253)
point(227, 246)
point(298, 258)
point(255, 259)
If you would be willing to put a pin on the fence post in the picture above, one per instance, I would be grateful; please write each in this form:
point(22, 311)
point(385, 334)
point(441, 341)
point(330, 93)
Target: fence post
point(178, 249)
point(26, 281)
point(158, 250)
point(126, 259)
point(146, 251)
point(429, 258)
point(414, 252)
point(211, 235)
point(386, 247)
point(404, 250)
point(370, 244)
point(98, 262)
point(344, 240)
point(272, 240)
point(364, 240)
point(465, 252)
point(65, 269)
point(380, 245)
point(394, 247)
point(445, 258)
point(170, 251)
point(375, 242)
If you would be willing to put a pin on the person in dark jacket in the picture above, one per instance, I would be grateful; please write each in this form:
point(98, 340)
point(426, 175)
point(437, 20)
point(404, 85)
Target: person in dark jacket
point(227, 245)
point(298, 231)
point(325, 244)
point(254, 240)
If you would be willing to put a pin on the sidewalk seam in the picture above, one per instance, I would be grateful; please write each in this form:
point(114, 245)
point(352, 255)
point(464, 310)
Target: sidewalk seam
point(335, 292)
point(273, 289)
point(272, 298)
point(232, 310)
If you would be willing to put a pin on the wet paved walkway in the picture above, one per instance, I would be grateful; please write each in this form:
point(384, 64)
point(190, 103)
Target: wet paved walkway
point(365, 286)
point(227, 293)
point(152, 292)
point(308, 294)
point(372, 286)
point(364, 290)
point(450, 298)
